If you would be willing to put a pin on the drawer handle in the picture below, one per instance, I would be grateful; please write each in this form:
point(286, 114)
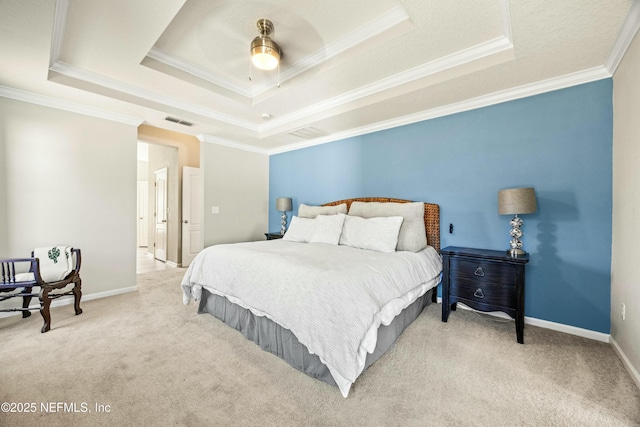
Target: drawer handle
point(478, 293)
point(479, 272)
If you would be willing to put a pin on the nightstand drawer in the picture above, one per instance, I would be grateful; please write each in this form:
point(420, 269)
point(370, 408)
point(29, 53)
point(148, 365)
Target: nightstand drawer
point(477, 272)
point(490, 294)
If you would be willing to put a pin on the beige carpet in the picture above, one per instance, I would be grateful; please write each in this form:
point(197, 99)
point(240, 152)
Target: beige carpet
point(156, 362)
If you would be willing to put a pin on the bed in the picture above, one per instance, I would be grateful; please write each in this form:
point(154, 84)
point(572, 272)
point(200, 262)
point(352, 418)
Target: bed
point(329, 307)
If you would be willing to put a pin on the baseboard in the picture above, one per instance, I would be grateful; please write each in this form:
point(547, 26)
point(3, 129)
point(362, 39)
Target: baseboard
point(66, 300)
point(108, 293)
point(560, 327)
point(171, 264)
point(567, 329)
point(635, 375)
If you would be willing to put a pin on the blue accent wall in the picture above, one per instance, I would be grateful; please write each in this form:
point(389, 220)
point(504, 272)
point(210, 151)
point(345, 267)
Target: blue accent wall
point(558, 142)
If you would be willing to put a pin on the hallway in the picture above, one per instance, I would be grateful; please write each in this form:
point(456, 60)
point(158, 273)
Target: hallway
point(145, 262)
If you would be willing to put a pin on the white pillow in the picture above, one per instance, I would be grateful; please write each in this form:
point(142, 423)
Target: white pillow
point(376, 234)
point(328, 229)
point(300, 230)
point(306, 211)
point(412, 235)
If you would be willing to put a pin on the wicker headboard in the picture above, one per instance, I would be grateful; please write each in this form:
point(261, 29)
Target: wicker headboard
point(431, 215)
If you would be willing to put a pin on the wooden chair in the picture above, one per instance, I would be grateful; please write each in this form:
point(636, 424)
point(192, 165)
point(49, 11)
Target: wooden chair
point(24, 283)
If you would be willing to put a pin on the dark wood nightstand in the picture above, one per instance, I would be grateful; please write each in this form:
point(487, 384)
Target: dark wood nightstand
point(273, 236)
point(484, 280)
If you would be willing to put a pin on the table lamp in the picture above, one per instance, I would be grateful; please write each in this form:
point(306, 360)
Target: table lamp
point(283, 204)
point(516, 201)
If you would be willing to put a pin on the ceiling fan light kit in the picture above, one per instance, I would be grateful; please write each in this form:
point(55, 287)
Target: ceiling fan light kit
point(265, 53)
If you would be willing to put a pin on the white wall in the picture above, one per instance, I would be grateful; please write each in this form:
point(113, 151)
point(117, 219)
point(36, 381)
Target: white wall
point(625, 280)
point(237, 182)
point(70, 179)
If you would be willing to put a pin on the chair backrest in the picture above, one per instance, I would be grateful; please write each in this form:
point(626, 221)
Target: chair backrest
point(10, 275)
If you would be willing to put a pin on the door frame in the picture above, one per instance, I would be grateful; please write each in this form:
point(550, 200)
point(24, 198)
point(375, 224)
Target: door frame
point(191, 221)
point(160, 253)
point(142, 215)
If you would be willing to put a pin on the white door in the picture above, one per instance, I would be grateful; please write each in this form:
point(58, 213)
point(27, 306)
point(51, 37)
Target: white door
point(191, 214)
point(160, 241)
point(143, 214)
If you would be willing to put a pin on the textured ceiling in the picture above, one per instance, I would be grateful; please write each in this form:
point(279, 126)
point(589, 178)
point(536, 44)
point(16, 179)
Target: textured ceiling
point(348, 67)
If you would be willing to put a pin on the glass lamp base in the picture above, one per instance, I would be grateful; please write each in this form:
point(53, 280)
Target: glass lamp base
point(283, 223)
point(515, 245)
point(515, 253)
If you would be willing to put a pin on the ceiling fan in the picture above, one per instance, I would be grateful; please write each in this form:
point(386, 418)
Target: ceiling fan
point(265, 53)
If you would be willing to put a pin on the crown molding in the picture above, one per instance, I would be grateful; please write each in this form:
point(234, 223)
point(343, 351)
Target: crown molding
point(59, 23)
point(506, 20)
point(396, 16)
point(371, 29)
point(524, 91)
point(46, 101)
point(483, 50)
point(226, 143)
point(186, 67)
point(625, 37)
point(67, 70)
point(359, 36)
point(76, 73)
point(458, 59)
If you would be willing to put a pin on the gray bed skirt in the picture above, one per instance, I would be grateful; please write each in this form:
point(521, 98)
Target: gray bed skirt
point(283, 343)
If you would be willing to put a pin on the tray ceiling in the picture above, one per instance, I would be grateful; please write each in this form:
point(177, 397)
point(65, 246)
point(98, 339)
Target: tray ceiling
point(347, 68)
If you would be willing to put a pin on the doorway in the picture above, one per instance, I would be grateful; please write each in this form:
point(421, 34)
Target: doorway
point(163, 148)
point(158, 212)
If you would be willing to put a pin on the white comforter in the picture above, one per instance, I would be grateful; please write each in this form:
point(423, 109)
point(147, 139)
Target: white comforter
point(333, 298)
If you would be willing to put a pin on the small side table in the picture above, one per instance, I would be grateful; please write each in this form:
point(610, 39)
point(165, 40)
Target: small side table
point(273, 236)
point(485, 280)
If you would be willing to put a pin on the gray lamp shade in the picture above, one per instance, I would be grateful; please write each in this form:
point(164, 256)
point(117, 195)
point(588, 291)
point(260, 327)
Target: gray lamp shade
point(515, 201)
point(283, 204)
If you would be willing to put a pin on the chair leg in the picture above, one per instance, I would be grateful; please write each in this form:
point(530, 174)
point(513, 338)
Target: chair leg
point(45, 302)
point(25, 303)
point(77, 294)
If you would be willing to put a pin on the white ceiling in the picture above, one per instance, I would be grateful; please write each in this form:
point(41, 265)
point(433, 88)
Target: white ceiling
point(349, 67)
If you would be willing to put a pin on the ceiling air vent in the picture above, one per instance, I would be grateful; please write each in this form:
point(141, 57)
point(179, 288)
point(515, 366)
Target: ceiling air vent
point(178, 121)
point(308, 133)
